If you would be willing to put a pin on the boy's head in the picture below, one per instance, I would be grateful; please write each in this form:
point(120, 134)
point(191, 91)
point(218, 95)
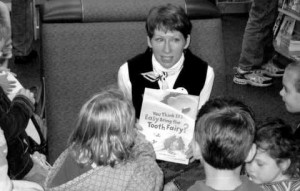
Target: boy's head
point(277, 157)
point(168, 18)
point(224, 134)
point(290, 92)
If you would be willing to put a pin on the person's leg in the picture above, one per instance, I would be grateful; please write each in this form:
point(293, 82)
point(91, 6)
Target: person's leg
point(22, 27)
point(257, 45)
point(258, 35)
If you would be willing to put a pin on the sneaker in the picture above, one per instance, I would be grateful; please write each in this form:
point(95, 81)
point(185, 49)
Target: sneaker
point(270, 69)
point(252, 77)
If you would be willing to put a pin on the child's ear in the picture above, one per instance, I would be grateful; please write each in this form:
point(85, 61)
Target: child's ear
point(251, 153)
point(196, 150)
point(284, 165)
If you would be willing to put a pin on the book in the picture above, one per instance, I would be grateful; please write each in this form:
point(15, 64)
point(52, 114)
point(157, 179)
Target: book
point(277, 23)
point(30, 129)
point(292, 6)
point(282, 40)
point(168, 119)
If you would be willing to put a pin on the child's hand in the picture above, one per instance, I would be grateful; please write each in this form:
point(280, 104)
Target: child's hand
point(190, 155)
point(5, 84)
point(27, 94)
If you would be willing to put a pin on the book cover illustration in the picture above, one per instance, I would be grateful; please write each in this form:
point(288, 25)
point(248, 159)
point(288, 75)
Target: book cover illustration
point(168, 119)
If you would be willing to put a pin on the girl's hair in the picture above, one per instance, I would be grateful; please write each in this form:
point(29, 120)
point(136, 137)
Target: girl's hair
point(104, 132)
point(276, 138)
point(168, 18)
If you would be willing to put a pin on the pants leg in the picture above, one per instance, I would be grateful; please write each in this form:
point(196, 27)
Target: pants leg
point(22, 27)
point(257, 45)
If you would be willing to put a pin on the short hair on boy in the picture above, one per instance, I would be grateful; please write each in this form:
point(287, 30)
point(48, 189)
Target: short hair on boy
point(168, 18)
point(225, 131)
point(275, 137)
point(104, 132)
point(295, 66)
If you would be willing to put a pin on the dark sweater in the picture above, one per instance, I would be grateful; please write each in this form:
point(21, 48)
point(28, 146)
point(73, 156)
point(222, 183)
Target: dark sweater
point(14, 117)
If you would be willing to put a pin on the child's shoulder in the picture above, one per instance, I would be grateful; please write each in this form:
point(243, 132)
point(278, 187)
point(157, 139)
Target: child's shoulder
point(285, 185)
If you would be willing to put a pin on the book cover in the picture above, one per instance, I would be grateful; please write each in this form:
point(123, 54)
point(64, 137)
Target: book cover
point(168, 119)
point(285, 32)
point(277, 23)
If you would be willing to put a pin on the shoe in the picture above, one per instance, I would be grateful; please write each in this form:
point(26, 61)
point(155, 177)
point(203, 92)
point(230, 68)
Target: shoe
point(270, 69)
point(252, 77)
point(26, 59)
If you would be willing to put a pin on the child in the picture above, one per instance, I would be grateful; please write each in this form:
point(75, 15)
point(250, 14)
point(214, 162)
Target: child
point(223, 141)
point(106, 151)
point(5, 183)
point(277, 161)
point(15, 115)
point(290, 92)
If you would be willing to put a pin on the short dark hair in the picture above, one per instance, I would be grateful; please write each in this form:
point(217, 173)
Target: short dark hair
point(275, 137)
point(168, 18)
point(295, 66)
point(225, 131)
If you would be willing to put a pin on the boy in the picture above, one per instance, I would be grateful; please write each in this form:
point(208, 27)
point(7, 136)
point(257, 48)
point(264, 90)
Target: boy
point(290, 92)
point(223, 141)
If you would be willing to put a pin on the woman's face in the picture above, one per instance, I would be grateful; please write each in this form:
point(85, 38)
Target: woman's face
point(168, 46)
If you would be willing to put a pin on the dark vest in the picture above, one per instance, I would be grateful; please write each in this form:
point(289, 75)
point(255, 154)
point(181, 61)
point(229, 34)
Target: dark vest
point(192, 76)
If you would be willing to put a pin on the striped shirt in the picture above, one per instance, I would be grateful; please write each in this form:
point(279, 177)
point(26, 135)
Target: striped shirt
point(285, 185)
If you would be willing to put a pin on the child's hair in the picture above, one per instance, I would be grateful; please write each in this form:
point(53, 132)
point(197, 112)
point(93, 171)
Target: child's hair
point(225, 131)
point(295, 66)
point(105, 129)
point(276, 138)
point(168, 18)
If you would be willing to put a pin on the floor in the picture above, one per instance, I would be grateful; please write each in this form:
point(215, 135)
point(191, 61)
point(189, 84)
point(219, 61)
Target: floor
point(266, 102)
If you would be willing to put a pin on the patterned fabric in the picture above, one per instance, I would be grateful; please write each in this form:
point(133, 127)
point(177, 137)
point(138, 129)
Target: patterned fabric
point(141, 173)
point(286, 185)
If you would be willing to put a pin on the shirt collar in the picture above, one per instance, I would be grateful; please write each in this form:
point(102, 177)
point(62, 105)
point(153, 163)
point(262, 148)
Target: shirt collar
point(158, 68)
